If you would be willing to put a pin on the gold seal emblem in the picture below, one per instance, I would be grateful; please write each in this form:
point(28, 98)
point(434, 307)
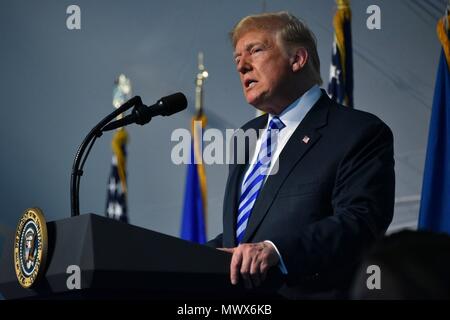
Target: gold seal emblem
point(30, 247)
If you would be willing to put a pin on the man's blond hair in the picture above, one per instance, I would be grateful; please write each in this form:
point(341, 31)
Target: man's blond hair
point(291, 31)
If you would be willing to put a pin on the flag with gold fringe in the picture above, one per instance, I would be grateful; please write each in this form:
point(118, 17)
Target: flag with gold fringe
point(193, 224)
point(340, 87)
point(435, 201)
point(193, 227)
point(116, 200)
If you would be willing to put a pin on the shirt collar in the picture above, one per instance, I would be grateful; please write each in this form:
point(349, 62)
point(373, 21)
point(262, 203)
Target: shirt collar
point(297, 110)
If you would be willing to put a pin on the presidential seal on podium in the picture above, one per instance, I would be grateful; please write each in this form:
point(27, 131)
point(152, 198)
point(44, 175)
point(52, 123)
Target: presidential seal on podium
point(30, 247)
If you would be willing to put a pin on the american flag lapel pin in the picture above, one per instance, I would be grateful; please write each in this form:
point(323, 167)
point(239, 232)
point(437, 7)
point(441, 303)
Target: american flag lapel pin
point(305, 139)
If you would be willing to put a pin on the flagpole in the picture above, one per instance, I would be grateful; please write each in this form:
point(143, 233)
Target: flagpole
point(193, 220)
point(198, 138)
point(200, 79)
point(121, 93)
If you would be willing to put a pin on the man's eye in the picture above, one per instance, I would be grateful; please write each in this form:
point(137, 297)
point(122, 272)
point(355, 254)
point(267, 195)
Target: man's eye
point(255, 50)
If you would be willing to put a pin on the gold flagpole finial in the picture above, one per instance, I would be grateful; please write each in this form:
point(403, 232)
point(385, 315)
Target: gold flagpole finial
point(341, 4)
point(121, 92)
point(201, 76)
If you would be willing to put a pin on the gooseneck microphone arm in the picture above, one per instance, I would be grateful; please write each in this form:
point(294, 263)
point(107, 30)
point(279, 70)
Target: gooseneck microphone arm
point(141, 114)
point(96, 132)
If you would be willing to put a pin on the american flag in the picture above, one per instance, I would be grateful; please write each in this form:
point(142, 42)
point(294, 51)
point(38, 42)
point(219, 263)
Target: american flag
point(340, 87)
point(116, 201)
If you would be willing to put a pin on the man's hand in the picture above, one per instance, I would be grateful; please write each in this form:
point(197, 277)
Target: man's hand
point(252, 261)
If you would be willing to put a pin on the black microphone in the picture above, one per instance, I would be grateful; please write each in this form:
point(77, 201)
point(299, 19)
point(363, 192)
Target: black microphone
point(142, 114)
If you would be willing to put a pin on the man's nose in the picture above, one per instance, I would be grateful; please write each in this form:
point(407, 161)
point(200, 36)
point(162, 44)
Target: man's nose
point(244, 65)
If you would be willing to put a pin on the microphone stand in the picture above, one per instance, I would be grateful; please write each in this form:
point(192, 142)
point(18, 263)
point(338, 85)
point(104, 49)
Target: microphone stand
point(95, 133)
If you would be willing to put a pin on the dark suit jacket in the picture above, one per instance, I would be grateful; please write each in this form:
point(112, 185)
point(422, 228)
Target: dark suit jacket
point(331, 198)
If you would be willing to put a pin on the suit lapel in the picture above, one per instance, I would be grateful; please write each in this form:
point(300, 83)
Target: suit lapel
point(229, 209)
point(301, 141)
point(233, 188)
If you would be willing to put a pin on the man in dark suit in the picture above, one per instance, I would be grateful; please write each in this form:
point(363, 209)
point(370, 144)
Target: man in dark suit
point(318, 186)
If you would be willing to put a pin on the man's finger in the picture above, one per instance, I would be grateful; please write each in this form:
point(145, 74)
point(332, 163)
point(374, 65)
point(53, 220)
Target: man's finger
point(235, 266)
point(263, 268)
point(229, 250)
point(245, 269)
point(255, 272)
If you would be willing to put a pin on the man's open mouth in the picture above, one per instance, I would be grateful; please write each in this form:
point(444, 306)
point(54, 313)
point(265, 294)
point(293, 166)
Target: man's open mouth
point(249, 83)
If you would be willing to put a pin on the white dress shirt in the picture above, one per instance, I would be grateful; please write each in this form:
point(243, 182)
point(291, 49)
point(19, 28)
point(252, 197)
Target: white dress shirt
point(292, 116)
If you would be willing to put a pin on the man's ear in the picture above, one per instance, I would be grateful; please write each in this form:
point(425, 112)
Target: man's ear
point(299, 58)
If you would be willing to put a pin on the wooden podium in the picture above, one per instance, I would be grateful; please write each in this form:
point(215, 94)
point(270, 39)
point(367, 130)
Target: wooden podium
point(118, 260)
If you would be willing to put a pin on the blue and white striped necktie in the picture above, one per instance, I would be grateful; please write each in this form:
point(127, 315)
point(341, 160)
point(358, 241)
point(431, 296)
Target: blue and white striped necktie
point(255, 179)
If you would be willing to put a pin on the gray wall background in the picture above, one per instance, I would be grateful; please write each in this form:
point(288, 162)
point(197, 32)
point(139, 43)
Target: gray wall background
point(56, 84)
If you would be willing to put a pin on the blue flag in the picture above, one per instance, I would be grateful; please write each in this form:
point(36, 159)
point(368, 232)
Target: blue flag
point(194, 209)
point(435, 202)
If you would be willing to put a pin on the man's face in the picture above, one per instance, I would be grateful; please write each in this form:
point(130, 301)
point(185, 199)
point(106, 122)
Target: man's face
point(264, 69)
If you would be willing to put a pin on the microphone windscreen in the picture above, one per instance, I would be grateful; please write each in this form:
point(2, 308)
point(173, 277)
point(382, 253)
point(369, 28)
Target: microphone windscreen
point(174, 103)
